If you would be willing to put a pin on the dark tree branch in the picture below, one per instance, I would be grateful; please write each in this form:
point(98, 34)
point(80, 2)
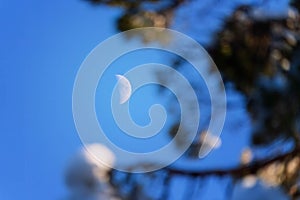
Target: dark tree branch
point(240, 171)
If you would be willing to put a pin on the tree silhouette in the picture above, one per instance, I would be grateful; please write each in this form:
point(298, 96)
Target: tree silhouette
point(259, 54)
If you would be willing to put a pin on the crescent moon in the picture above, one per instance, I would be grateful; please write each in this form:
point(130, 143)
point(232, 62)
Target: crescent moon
point(124, 88)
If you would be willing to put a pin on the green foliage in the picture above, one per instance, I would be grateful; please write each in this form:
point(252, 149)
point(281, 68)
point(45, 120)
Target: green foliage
point(258, 56)
point(147, 13)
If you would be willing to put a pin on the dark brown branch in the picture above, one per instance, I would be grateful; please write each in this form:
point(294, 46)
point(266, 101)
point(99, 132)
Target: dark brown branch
point(237, 171)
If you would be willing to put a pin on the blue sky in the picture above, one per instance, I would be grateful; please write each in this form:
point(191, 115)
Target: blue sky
point(43, 45)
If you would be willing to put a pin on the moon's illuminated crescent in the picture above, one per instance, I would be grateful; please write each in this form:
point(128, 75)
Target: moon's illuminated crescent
point(124, 88)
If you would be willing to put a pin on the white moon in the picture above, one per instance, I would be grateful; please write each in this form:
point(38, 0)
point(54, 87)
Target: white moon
point(124, 88)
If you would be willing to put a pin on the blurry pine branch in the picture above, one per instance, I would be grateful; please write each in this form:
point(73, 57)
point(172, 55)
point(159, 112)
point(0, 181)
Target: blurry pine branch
point(260, 56)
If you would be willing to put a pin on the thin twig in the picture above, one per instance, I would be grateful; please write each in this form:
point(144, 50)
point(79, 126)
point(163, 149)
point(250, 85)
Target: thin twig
point(237, 171)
